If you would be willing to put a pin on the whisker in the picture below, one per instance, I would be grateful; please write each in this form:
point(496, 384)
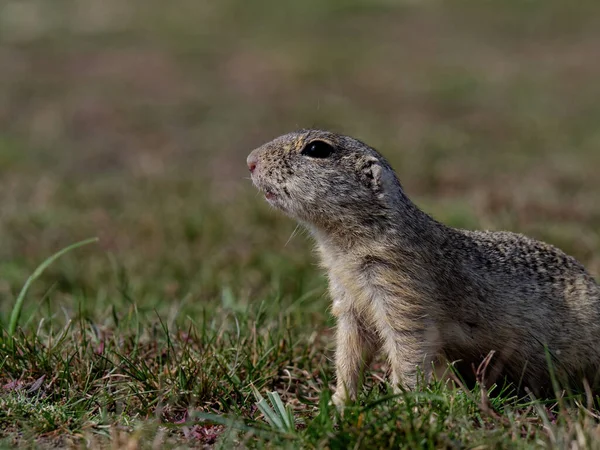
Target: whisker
point(292, 235)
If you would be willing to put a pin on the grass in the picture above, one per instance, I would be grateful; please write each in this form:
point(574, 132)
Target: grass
point(132, 124)
point(18, 307)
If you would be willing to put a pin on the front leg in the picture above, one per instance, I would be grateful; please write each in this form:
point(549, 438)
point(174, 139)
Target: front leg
point(411, 346)
point(407, 354)
point(355, 349)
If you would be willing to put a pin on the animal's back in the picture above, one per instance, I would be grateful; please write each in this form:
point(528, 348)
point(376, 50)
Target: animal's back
point(522, 297)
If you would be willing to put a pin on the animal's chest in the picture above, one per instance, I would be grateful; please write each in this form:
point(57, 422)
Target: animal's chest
point(352, 288)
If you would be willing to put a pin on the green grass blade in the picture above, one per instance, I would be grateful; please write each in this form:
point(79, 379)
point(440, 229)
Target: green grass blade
point(270, 415)
point(280, 409)
point(16, 311)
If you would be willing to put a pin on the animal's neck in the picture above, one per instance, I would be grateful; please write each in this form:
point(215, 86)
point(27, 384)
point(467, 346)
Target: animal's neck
point(403, 225)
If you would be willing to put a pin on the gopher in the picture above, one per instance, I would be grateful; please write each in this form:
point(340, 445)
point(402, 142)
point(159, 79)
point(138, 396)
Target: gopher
point(422, 292)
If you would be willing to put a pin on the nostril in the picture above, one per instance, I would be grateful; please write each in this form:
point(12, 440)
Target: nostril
point(251, 161)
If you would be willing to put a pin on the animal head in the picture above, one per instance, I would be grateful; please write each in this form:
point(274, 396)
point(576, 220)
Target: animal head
point(324, 179)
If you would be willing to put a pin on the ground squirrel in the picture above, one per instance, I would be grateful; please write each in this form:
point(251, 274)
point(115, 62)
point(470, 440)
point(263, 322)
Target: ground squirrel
point(423, 292)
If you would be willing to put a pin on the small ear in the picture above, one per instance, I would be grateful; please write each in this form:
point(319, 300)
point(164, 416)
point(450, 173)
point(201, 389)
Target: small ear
point(377, 177)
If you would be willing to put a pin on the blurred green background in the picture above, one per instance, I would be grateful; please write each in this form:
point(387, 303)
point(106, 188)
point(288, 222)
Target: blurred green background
point(131, 121)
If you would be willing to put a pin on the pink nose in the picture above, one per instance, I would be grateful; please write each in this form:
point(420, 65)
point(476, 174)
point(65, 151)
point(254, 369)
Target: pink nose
point(251, 161)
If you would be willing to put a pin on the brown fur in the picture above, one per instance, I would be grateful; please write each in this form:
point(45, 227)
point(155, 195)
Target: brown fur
point(424, 292)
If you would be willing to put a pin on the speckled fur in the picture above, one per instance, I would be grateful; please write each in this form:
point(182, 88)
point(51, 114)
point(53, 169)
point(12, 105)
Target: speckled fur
point(423, 292)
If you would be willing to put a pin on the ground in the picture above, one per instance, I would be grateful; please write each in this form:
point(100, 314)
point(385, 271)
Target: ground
point(131, 122)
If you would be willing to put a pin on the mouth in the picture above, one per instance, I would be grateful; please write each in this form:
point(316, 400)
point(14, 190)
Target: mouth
point(270, 195)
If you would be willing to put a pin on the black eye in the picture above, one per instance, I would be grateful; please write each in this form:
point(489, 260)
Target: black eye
point(317, 149)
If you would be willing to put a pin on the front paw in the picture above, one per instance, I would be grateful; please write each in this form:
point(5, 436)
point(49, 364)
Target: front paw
point(340, 399)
